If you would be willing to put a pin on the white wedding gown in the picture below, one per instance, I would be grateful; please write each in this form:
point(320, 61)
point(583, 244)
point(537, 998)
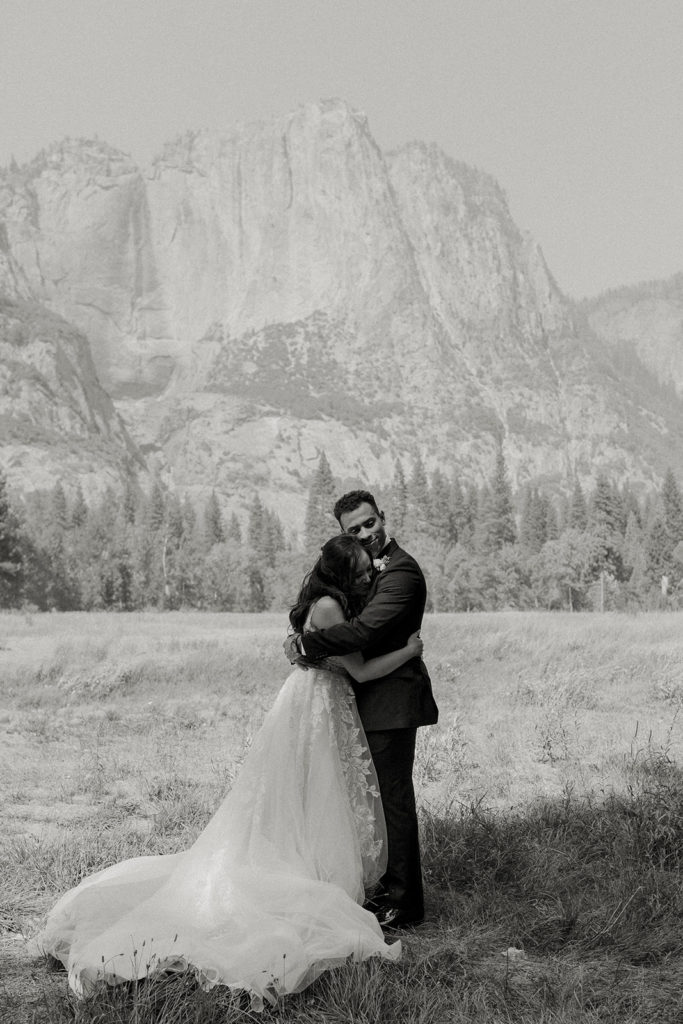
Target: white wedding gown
point(269, 896)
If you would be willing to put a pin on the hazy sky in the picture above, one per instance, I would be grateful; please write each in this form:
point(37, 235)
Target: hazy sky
point(575, 106)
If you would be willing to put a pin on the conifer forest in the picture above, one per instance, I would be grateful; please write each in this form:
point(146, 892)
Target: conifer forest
point(481, 547)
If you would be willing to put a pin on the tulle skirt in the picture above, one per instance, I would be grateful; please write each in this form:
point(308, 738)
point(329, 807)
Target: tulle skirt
point(270, 894)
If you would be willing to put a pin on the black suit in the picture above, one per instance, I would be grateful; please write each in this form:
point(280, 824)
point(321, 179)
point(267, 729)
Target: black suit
point(391, 709)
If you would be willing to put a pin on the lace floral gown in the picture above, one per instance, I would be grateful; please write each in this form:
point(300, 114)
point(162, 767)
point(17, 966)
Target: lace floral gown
point(269, 896)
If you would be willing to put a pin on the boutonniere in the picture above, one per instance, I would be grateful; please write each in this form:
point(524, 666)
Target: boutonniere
point(380, 564)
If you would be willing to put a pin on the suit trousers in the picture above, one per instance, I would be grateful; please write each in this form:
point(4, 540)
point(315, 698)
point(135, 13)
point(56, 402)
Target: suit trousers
point(393, 752)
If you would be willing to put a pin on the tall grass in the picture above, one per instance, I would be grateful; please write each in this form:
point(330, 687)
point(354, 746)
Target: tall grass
point(551, 810)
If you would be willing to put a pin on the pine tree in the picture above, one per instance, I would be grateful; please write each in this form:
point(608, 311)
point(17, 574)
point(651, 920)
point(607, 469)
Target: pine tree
point(155, 508)
point(552, 524)
point(480, 536)
point(320, 524)
point(634, 549)
point(172, 541)
point(417, 504)
point(97, 548)
point(561, 512)
point(672, 508)
point(657, 551)
point(469, 535)
point(190, 558)
point(147, 573)
point(79, 509)
point(233, 532)
point(442, 525)
point(630, 503)
point(577, 518)
point(60, 512)
point(55, 542)
point(130, 502)
point(606, 521)
point(121, 565)
point(533, 527)
point(274, 536)
point(214, 532)
point(499, 519)
point(175, 525)
point(651, 510)
point(189, 516)
point(10, 550)
point(399, 501)
point(37, 570)
point(459, 511)
point(606, 513)
point(256, 526)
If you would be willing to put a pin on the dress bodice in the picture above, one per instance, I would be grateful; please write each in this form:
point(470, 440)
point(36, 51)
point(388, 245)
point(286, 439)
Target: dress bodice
point(330, 664)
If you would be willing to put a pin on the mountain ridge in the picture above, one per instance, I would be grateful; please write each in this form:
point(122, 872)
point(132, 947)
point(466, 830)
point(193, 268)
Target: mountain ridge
point(257, 296)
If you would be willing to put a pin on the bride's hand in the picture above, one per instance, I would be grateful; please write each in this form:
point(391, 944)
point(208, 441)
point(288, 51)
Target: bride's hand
point(415, 645)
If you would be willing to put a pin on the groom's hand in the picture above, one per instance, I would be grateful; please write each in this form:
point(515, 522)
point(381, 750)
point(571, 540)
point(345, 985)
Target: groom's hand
point(293, 652)
point(292, 647)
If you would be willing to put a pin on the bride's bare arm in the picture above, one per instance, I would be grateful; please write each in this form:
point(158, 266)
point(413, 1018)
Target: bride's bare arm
point(328, 612)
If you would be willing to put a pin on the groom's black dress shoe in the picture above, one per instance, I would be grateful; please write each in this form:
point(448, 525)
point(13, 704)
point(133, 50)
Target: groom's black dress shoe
point(391, 919)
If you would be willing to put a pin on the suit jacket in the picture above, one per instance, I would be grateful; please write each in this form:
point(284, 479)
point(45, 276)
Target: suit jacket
point(403, 699)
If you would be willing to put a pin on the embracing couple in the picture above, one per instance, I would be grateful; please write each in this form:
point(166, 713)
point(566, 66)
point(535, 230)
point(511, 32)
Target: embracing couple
point(390, 707)
point(313, 855)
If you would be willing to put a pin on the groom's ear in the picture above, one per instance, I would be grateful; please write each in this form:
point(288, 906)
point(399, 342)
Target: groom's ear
point(381, 515)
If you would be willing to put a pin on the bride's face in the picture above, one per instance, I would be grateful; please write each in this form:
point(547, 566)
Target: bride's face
point(362, 577)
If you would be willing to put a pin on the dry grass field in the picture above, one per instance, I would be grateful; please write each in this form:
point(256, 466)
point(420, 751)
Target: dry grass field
point(550, 794)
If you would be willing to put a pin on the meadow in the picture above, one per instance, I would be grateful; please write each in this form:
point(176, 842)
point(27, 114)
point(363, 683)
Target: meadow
point(550, 798)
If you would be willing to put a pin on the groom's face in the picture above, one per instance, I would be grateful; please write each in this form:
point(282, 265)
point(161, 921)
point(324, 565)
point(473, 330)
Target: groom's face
point(367, 525)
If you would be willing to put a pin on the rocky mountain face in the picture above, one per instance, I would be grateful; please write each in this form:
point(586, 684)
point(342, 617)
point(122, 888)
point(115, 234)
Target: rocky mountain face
point(646, 320)
point(257, 296)
point(55, 418)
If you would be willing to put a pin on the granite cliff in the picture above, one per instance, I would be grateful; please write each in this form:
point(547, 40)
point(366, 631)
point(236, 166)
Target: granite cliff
point(645, 320)
point(55, 418)
point(258, 295)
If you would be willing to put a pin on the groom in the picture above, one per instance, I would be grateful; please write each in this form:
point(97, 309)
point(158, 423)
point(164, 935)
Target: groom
point(390, 708)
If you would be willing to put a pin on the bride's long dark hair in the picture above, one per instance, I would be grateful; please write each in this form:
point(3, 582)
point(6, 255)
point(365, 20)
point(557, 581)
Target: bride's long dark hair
point(333, 575)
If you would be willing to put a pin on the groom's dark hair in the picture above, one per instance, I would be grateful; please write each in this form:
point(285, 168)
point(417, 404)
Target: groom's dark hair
point(350, 501)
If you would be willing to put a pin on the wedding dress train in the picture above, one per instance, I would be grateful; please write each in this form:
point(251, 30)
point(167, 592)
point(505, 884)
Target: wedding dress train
point(269, 896)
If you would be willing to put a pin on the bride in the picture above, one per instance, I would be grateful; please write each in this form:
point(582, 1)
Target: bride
point(270, 895)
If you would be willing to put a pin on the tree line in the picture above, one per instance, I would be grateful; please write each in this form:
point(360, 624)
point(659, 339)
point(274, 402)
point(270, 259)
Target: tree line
point(139, 550)
point(481, 547)
point(484, 548)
